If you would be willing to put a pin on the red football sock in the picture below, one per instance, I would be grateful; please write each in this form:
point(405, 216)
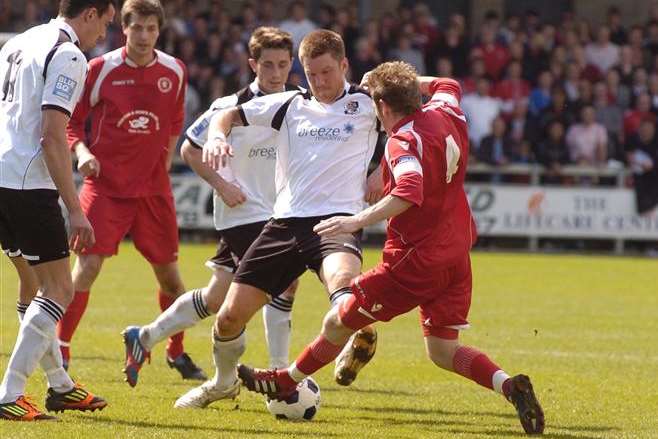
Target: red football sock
point(68, 324)
point(175, 342)
point(317, 355)
point(475, 365)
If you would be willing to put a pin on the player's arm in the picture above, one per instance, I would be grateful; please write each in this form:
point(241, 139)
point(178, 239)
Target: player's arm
point(63, 85)
point(171, 150)
point(216, 150)
point(229, 193)
point(88, 164)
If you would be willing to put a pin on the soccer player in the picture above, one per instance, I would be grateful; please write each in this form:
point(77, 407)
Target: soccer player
point(135, 97)
point(243, 202)
point(325, 144)
point(426, 260)
point(43, 70)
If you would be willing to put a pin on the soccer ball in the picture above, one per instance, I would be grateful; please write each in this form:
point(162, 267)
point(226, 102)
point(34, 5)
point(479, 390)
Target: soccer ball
point(301, 405)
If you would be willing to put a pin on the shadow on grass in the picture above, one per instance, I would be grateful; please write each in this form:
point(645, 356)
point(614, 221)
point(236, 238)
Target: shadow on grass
point(188, 428)
point(368, 391)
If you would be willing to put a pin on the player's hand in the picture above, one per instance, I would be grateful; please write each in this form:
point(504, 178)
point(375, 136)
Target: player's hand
point(88, 165)
point(364, 80)
point(374, 187)
point(231, 194)
point(337, 225)
point(216, 153)
point(82, 234)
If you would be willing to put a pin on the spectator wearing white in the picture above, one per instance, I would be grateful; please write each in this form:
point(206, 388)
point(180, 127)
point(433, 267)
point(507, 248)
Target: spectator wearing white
point(481, 110)
point(587, 140)
point(298, 25)
point(602, 53)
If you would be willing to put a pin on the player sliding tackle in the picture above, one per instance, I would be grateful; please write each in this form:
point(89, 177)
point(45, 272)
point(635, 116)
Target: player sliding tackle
point(426, 260)
point(325, 144)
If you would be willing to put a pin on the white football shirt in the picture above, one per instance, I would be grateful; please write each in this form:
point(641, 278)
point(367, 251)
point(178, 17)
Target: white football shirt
point(252, 167)
point(42, 68)
point(324, 149)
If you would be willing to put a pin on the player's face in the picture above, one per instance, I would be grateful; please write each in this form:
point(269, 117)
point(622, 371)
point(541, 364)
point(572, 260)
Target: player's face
point(326, 76)
point(272, 69)
point(95, 27)
point(141, 34)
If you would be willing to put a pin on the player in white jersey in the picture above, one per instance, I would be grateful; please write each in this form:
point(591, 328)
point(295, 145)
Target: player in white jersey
point(43, 70)
point(243, 202)
point(325, 145)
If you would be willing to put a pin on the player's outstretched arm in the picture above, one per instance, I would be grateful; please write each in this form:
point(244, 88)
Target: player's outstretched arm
point(58, 160)
point(426, 81)
point(387, 207)
point(231, 194)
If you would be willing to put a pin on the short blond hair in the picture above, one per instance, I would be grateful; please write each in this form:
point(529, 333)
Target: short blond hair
point(322, 41)
point(265, 37)
point(395, 83)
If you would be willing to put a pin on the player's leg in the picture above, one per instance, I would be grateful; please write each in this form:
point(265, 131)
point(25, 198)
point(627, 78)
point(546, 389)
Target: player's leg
point(111, 219)
point(441, 320)
point(337, 271)
point(85, 271)
point(278, 326)
point(51, 362)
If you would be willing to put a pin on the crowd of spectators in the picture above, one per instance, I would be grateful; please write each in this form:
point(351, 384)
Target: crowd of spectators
point(533, 92)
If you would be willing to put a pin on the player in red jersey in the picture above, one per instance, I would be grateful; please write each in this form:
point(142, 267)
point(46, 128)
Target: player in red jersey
point(426, 260)
point(135, 97)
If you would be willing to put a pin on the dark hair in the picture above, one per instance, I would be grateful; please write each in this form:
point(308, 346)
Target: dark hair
point(73, 8)
point(143, 8)
point(269, 38)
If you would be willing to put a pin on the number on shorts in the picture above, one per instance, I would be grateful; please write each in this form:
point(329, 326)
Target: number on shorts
point(452, 157)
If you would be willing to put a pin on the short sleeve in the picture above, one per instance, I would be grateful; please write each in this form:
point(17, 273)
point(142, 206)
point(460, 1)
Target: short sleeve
point(65, 77)
point(446, 90)
point(197, 133)
point(268, 111)
point(404, 160)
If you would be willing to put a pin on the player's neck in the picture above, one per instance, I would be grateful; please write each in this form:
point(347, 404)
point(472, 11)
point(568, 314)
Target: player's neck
point(391, 122)
point(138, 59)
point(267, 91)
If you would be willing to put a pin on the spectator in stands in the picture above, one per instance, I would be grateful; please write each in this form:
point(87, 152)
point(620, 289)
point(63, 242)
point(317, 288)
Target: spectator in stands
point(571, 80)
point(497, 148)
point(365, 59)
point(618, 93)
point(513, 89)
point(618, 34)
point(469, 84)
point(535, 58)
point(602, 53)
point(559, 109)
point(652, 90)
point(626, 66)
point(298, 25)
point(587, 140)
point(481, 109)
point(552, 152)
point(640, 112)
point(404, 51)
point(444, 68)
point(611, 116)
point(540, 97)
point(455, 47)
point(642, 156)
point(494, 54)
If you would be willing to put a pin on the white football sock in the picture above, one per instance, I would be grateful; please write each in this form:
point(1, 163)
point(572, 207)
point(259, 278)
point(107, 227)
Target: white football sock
point(51, 362)
point(184, 313)
point(276, 318)
point(226, 354)
point(35, 336)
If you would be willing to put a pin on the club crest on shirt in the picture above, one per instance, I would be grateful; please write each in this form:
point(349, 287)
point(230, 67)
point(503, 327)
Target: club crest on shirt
point(352, 107)
point(164, 84)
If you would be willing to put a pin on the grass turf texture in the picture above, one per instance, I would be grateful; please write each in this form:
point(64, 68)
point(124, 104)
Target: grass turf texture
point(582, 327)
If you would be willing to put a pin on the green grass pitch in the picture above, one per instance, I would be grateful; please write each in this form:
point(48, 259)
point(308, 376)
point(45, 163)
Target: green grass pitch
point(584, 328)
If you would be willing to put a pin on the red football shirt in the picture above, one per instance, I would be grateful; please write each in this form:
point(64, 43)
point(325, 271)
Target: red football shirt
point(134, 112)
point(426, 164)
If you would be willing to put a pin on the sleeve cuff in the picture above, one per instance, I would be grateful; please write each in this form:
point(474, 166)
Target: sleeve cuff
point(56, 107)
point(193, 142)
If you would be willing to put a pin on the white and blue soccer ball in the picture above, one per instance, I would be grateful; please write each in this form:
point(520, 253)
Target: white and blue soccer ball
point(301, 405)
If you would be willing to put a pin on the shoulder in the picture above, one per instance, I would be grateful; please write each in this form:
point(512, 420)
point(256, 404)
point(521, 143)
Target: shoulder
point(357, 89)
point(224, 102)
point(171, 62)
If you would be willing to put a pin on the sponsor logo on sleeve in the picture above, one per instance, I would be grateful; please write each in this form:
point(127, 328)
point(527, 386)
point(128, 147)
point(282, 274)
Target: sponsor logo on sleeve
point(64, 87)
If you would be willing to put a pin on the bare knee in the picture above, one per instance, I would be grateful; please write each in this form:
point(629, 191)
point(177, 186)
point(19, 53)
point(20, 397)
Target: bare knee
point(227, 324)
point(59, 289)
point(441, 352)
point(86, 271)
point(340, 278)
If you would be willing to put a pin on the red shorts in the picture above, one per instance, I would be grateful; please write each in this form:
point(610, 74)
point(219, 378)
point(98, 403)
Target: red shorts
point(396, 287)
point(150, 221)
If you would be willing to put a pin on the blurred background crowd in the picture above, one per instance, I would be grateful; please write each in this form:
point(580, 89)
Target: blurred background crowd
point(557, 92)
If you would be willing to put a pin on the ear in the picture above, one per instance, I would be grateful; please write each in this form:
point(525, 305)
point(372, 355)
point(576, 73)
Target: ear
point(252, 64)
point(344, 64)
point(91, 14)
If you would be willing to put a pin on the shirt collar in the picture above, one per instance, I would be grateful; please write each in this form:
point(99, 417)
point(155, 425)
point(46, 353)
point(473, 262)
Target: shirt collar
point(67, 29)
point(346, 88)
point(129, 62)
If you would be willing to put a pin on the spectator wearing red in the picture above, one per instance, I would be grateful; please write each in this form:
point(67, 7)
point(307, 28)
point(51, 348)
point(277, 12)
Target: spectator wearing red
point(513, 88)
point(495, 55)
point(634, 117)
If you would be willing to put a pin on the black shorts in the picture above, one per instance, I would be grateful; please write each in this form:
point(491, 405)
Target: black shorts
point(286, 248)
point(233, 243)
point(32, 225)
